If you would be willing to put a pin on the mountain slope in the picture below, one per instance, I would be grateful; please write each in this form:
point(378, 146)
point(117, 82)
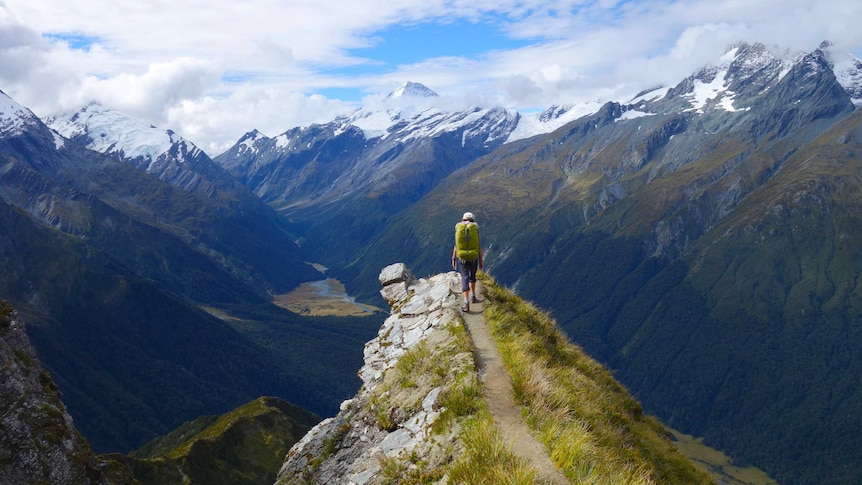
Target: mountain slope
point(243, 446)
point(39, 443)
point(132, 360)
point(111, 267)
point(342, 181)
point(698, 240)
point(421, 414)
point(222, 218)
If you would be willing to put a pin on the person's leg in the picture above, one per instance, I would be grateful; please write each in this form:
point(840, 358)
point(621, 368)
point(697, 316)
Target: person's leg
point(474, 268)
point(464, 269)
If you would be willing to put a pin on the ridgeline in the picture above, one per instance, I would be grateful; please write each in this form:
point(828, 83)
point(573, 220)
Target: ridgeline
point(430, 411)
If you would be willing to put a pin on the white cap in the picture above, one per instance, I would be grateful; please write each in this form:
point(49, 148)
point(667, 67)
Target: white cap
point(468, 216)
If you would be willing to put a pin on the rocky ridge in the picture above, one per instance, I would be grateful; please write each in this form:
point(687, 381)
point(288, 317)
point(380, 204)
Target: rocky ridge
point(389, 426)
point(439, 403)
point(39, 442)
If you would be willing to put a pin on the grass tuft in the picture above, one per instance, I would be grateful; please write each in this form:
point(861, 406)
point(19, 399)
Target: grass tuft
point(486, 458)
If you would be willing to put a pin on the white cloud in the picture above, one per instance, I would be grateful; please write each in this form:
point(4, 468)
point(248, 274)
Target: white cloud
point(150, 93)
point(215, 123)
point(213, 70)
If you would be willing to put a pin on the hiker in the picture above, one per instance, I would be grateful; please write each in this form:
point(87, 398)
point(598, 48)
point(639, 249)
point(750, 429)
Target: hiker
point(467, 256)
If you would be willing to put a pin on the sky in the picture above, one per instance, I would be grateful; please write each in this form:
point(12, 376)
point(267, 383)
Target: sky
point(212, 70)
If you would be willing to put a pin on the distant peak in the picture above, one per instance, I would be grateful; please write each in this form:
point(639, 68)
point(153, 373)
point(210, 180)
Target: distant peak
point(14, 117)
point(252, 135)
point(414, 90)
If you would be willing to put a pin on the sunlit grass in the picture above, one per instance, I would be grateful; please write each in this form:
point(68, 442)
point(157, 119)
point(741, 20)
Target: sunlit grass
point(592, 427)
point(487, 458)
point(477, 454)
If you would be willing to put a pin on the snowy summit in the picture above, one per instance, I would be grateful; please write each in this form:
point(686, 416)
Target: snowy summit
point(14, 117)
point(412, 90)
point(113, 132)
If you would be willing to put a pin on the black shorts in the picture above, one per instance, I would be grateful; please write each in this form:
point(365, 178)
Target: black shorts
point(468, 271)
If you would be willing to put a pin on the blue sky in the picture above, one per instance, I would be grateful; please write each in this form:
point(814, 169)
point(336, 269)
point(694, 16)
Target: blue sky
point(212, 70)
point(405, 44)
point(74, 41)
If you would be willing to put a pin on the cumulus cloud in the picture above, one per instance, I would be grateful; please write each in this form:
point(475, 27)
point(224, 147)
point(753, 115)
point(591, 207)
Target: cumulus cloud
point(152, 92)
point(212, 69)
point(216, 123)
point(22, 49)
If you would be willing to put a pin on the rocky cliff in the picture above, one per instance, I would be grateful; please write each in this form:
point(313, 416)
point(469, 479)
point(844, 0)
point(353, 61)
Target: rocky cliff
point(391, 427)
point(38, 442)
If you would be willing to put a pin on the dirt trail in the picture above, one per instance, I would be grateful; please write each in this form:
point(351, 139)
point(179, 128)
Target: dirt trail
point(497, 388)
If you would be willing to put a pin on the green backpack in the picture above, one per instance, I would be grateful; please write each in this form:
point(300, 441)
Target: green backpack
point(467, 241)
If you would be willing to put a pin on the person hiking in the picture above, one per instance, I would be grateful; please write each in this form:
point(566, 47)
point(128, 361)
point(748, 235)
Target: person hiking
point(467, 256)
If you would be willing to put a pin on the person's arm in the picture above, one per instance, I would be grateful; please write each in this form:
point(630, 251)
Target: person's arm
point(454, 256)
point(481, 259)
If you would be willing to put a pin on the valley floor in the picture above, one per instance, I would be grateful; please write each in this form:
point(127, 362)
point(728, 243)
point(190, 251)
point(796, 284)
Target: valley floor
point(323, 298)
point(717, 463)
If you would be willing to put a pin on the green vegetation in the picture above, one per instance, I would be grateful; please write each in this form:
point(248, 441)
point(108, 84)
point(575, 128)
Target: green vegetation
point(164, 445)
point(486, 458)
point(296, 344)
point(244, 446)
point(594, 430)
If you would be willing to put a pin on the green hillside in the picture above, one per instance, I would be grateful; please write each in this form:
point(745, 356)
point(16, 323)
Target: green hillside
point(244, 446)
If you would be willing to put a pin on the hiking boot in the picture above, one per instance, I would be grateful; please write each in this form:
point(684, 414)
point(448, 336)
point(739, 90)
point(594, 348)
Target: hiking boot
point(465, 307)
point(475, 300)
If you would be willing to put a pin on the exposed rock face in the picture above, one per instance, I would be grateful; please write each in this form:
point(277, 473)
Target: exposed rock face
point(388, 425)
point(38, 442)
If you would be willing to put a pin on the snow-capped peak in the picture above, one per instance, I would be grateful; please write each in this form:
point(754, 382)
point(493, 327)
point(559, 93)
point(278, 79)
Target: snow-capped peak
point(743, 70)
point(848, 72)
point(546, 121)
point(410, 102)
point(414, 90)
point(14, 117)
point(113, 132)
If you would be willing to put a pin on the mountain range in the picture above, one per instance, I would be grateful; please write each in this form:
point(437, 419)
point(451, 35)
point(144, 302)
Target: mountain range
point(125, 277)
point(699, 239)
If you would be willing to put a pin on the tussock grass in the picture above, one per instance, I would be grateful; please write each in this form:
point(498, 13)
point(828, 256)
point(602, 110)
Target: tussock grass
point(594, 430)
point(482, 457)
point(487, 459)
point(474, 453)
point(462, 399)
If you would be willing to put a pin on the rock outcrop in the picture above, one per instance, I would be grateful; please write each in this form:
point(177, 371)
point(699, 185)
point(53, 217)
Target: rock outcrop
point(38, 441)
point(392, 427)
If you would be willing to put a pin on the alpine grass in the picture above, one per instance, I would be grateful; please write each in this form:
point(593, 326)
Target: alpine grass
point(593, 429)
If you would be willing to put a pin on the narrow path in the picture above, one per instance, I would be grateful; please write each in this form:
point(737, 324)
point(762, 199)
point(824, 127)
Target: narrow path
point(497, 389)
